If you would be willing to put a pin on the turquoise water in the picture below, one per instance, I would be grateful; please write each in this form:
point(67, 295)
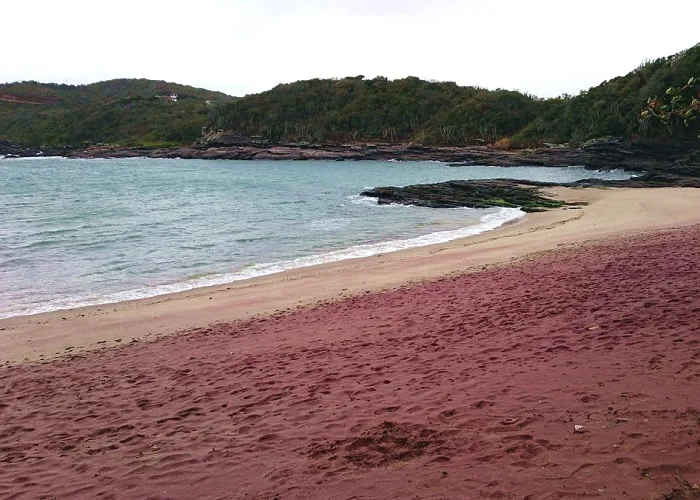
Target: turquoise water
point(79, 232)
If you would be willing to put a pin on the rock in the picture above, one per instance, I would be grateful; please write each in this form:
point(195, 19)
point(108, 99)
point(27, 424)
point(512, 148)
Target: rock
point(472, 194)
point(509, 192)
point(10, 149)
point(664, 163)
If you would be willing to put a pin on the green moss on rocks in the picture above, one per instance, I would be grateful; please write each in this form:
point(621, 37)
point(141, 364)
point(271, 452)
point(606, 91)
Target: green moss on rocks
point(472, 194)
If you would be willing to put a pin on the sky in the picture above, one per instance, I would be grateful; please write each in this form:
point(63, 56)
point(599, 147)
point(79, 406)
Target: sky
point(542, 47)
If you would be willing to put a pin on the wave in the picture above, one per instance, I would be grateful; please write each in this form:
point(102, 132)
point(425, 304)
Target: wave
point(32, 158)
point(366, 201)
point(487, 222)
point(370, 201)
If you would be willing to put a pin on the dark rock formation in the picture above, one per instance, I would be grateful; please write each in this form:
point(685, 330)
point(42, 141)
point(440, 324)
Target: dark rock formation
point(473, 194)
point(11, 149)
point(526, 195)
point(679, 158)
point(664, 163)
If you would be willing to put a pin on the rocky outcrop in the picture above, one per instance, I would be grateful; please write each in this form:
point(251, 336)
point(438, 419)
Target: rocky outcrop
point(526, 195)
point(472, 194)
point(680, 158)
point(11, 149)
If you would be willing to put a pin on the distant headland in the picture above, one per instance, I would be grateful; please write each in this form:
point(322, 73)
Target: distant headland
point(643, 121)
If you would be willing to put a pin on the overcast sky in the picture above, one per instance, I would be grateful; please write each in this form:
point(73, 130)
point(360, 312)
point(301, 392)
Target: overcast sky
point(544, 47)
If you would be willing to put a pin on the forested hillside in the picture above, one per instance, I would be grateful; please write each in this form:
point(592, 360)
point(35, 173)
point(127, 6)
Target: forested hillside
point(359, 109)
point(613, 108)
point(354, 109)
point(125, 111)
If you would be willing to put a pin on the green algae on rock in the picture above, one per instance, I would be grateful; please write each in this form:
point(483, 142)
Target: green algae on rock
point(472, 194)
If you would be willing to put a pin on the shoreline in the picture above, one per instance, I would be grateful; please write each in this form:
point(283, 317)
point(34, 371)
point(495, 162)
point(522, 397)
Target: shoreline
point(53, 334)
point(571, 372)
point(485, 224)
point(674, 158)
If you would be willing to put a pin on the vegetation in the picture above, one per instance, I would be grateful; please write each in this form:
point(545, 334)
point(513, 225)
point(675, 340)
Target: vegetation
point(355, 109)
point(127, 112)
point(442, 113)
point(680, 107)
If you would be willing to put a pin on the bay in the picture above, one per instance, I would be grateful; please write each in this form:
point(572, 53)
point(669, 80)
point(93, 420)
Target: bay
point(80, 232)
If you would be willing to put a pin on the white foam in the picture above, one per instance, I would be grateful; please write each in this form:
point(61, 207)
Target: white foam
point(487, 223)
point(370, 201)
point(367, 201)
point(34, 158)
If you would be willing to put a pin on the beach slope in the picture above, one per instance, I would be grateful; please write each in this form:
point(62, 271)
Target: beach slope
point(608, 212)
point(572, 371)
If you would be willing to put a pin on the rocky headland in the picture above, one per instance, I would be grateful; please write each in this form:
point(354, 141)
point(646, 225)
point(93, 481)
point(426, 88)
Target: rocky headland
point(678, 158)
point(526, 195)
point(10, 149)
point(472, 194)
point(657, 164)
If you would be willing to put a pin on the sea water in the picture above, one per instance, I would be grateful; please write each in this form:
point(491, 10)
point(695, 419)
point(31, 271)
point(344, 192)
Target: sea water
point(81, 232)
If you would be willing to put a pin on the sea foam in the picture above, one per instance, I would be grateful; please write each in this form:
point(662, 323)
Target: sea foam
point(79, 231)
point(487, 222)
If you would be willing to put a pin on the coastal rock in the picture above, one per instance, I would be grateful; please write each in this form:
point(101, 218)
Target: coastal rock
point(678, 158)
point(671, 163)
point(472, 194)
point(10, 149)
point(524, 194)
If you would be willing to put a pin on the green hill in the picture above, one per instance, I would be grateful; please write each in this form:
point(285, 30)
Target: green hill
point(442, 113)
point(354, 109)
point(130, 112)
point(613, 107)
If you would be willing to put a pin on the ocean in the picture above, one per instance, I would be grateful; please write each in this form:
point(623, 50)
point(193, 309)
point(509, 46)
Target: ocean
point(84, 232)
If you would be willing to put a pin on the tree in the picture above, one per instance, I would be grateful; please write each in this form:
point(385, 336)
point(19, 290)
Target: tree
point(679, 105)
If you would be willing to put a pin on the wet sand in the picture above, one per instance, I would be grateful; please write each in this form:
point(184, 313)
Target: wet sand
point(468, 385)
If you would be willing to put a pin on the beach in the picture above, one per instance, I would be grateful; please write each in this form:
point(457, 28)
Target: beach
point(556, 356)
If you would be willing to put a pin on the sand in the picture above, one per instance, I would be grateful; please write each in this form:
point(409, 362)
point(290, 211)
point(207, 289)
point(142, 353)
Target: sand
point(467, 385)
point(610, 212)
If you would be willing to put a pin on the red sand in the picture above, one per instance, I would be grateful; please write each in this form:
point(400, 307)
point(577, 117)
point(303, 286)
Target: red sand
point(468, 387)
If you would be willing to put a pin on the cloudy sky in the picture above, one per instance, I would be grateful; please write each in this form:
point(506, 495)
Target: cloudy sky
point(544, 47)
